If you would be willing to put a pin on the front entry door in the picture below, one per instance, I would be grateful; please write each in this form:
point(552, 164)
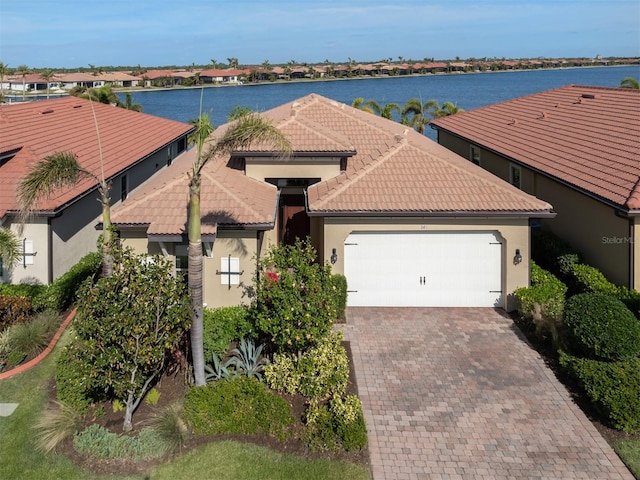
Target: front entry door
point(294, 219)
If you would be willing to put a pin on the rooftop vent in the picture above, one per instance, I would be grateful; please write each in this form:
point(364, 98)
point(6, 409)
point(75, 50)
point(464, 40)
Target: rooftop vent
point(49, 110)
point(588, 95)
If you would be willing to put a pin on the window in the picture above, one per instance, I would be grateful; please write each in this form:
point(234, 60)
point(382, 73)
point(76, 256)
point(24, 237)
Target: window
point(124, 187)
point(515, 175)
point(182, 262)
point(230, 271)
point(474, 155)
point(169, 156)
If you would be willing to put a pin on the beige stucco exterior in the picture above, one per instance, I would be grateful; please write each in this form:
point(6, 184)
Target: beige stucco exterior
point(606, 238)
point(309, 167)
point(63, 238)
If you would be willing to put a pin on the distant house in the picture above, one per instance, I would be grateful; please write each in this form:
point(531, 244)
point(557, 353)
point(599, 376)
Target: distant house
point(576, 147)
point(407, 221)
point(134, 146)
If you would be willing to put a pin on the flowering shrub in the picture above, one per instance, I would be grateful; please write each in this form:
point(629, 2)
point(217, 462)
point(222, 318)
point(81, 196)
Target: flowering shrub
point(294, 304)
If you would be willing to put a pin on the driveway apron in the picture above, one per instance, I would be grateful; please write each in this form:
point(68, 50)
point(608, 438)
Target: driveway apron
point(459, 393)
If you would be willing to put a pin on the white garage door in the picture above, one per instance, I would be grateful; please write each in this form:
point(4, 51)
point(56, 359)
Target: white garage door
point(424, 269)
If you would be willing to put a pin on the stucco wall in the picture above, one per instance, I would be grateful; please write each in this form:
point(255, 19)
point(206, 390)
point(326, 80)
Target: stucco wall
point(36, 231)
point(515, 234)
point(636, 253)
point(590, 226)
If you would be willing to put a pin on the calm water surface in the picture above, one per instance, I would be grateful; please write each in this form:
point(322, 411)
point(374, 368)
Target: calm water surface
point(467, 91)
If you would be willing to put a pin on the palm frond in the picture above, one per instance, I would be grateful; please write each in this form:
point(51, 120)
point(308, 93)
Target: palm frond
point(48, 175)
point(10, 250)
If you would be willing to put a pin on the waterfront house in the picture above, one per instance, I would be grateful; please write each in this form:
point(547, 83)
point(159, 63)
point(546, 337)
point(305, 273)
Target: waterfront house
point(577, 147)
point(407, 221)
point(133, 146)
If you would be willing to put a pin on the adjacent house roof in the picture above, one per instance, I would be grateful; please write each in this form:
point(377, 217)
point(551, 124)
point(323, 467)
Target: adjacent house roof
point(390, 170)
point(586, 137)
point(32, 130)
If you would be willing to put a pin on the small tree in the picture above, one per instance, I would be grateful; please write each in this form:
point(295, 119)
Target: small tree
point(295, 305)
point(130, 323)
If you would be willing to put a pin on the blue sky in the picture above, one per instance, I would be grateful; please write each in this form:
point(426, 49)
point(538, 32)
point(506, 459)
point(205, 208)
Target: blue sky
point(76, 33)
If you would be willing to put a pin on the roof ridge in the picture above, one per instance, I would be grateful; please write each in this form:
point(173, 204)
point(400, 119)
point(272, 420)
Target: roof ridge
point(633, 202)
point(368, 168)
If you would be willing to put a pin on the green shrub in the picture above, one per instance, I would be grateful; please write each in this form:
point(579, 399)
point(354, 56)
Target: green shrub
point(13, 310)
point(223, 325)
point(543, 301)
point(337, 426)
point(35, 293)
point(588, 279)
point(600, 326)
point(547, 248)
point(294, 304)
point(169, 426)
point(339, 286)
point(319, 373)
point(55, 426)
point(613, 387)
point(15, 358)
point(74, 384)
point(105, 445)
point(240, 405)
point(631, 298)
point(324, 370)
point(152, 397)
point(62, 293)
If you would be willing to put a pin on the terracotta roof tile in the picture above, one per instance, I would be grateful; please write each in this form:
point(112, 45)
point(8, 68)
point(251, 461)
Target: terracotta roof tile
point(588, 137)
point(38, 129)
point(390, 169)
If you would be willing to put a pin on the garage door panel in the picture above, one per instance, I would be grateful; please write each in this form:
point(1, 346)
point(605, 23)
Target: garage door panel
point(423, 269)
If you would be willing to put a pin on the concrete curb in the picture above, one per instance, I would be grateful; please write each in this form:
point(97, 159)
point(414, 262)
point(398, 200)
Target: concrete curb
point(35, 361)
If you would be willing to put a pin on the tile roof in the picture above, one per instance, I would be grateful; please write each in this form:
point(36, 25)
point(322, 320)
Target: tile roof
point(587, 137)
point(391, 170)
point(36, 129)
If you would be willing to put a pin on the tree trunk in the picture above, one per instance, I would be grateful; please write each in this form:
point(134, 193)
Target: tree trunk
point(107, 257)
point(195, 282)
point(128, 414)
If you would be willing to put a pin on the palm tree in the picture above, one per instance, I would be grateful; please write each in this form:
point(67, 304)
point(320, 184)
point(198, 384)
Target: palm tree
point(23, 70)
point(630, 82)
point(447, 109)
point(129, 105)
point(246, 130)
point(10, 250)
point(388, 109)
point(233, 62)
point(363, 105)
point(47, 74)
point(60, 170)
point(415, 114)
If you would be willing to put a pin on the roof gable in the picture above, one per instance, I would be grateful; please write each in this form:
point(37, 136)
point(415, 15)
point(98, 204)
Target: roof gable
point(35, 130)
point(587, 137)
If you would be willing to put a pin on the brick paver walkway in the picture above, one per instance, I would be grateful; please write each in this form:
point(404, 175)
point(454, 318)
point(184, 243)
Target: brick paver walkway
point(458, 393)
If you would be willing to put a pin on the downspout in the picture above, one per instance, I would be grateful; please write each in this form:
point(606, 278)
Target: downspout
point(50, 252)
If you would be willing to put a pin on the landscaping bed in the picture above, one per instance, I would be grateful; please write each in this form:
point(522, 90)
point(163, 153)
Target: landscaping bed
point(173, 388)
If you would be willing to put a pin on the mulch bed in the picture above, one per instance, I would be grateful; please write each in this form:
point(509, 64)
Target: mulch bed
point(172, 388)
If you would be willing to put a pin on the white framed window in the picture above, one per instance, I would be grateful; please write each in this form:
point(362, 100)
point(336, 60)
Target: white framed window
point(515, 175)
point(474, 155)
point(229, 270)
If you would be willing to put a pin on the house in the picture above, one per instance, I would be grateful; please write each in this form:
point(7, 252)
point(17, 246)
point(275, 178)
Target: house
point(578, 148)
point(133, 146)
point(407, 221)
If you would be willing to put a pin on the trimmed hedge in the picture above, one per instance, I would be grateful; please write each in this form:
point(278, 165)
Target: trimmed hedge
point(62, 293)
point(602, 327)
point(339, 285)
point(613, 387)
point(545, 297)
point(240, 405)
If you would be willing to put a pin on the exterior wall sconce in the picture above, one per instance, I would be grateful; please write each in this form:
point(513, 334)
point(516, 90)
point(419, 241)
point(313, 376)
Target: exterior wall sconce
point(334, 256)
point(517, 258)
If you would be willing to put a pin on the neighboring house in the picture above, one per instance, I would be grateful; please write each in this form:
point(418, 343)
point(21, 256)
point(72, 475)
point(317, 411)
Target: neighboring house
point(134, 146)
point(576, 147)
point(407, 221)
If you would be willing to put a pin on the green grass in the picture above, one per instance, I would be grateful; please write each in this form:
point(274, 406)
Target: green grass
point(19, 459)
point(629, 452)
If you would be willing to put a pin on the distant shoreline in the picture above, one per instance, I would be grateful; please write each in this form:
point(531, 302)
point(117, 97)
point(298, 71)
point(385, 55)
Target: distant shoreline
point(39, 95)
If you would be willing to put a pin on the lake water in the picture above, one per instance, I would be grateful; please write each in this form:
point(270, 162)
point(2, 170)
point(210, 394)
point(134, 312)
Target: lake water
point(467, 91)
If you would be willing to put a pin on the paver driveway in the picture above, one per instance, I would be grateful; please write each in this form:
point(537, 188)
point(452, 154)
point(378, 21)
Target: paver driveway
point(459, 393)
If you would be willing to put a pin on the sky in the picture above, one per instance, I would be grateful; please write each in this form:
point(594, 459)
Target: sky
point(79, 33)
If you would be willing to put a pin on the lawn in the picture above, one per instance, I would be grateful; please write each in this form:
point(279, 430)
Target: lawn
point(629, 452)
point(221, 460)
